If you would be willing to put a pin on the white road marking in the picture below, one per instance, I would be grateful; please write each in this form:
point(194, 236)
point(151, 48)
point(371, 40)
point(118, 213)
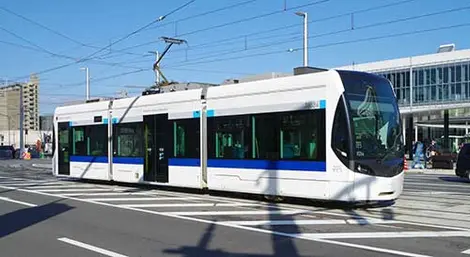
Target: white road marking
point(388, 226)
point(190, 205)
point(428, 192)
point(466, 252)
point(264, 231)
point(370, 248)
point(6, 199)
point(309, 222)
point(379, 215)
point(24, 183)
point(9, 178)
point(75, 190)
point(106, 194)
point(124, 199)
point(401, 234)
point(435, 185)
point(219, 213)
point(58, 186)
point(90, 247)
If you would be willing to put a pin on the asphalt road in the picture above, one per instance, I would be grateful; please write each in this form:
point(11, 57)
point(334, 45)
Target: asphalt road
point(43, 216)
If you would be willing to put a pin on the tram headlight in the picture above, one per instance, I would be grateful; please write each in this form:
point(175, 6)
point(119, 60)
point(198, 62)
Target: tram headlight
point(364, 169)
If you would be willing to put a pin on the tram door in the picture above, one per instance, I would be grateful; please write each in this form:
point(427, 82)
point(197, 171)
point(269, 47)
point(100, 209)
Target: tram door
point(64, 148)
point(157, 147)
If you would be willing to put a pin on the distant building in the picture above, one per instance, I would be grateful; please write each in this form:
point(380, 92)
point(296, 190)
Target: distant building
point(432, 90)
point(10, 105)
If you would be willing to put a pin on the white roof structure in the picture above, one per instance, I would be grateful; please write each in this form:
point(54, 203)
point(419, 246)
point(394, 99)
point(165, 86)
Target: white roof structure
point(414, 61)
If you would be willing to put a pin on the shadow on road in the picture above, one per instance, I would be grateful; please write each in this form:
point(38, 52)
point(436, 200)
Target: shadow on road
point(455, 179)
point(15, 221)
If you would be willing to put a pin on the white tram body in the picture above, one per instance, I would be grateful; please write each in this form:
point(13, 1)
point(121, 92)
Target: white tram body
point(272, 137)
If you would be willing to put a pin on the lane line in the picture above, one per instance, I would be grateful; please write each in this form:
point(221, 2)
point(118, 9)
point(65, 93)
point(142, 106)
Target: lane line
point(90, 247)
point(190, 205)
point(466, 252)
point(251, 229)
point(6, 199)
point(401, 234)
point(370, 248)
point(311, 222)
point(125, 199)
point(75, 190)
point(223, 213)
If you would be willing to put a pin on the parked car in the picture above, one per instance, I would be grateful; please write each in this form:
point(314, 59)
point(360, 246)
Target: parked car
point(7, 152)
point(463, 162)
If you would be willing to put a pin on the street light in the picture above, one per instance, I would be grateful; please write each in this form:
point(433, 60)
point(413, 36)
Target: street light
point(304, 14)
point(87, 82)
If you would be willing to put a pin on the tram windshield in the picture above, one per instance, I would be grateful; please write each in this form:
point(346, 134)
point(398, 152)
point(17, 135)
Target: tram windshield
point(374, 115)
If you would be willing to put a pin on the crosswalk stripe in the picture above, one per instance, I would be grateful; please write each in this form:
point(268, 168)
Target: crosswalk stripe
point(310, 222)
point(434, 185)
point(125, 199)
point(74, 190)
point(108, 194)
point(217, 213)
point(189, 205)
point(58, 186)
point(6, 199)
point(403, 234)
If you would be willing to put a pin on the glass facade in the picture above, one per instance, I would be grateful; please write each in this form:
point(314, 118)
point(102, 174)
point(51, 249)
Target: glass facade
point(431, 84)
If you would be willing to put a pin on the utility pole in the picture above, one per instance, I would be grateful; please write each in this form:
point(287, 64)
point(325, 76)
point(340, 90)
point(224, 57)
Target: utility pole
point(87, 82)
point(304, 14)
point(21, 123)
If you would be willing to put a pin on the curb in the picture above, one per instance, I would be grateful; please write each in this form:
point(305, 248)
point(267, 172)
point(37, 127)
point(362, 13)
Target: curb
point(42, 166)
point(430, 171)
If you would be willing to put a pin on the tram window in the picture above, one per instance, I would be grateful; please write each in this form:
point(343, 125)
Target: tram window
point(302, 135)
point(79, 144)
point(128, 140)
point(90, 140)
point(339, 134)
point(265, 140)
point(230, 137)
point(97, 140)
point(186, 138)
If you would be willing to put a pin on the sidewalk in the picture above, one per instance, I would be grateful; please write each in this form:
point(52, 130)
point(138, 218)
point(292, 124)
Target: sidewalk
point(431, 171)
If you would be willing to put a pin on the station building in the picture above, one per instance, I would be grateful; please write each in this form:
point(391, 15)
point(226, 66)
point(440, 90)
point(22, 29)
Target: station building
point(433, 93)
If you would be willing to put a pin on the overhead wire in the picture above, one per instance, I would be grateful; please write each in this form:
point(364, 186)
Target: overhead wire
point(331, 44)
point(245, 36)
point(37, 48)
point(257, 33)
point(235, 22)
point(216, 54)
point(43, 26)
point(58, 33)
point(141, 28)
point(173, 66)
point(112, 43)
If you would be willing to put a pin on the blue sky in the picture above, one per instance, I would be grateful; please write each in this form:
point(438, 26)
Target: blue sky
point(212, 53)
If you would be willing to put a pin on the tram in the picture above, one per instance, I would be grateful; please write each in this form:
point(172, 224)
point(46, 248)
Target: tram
point(327, 135)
